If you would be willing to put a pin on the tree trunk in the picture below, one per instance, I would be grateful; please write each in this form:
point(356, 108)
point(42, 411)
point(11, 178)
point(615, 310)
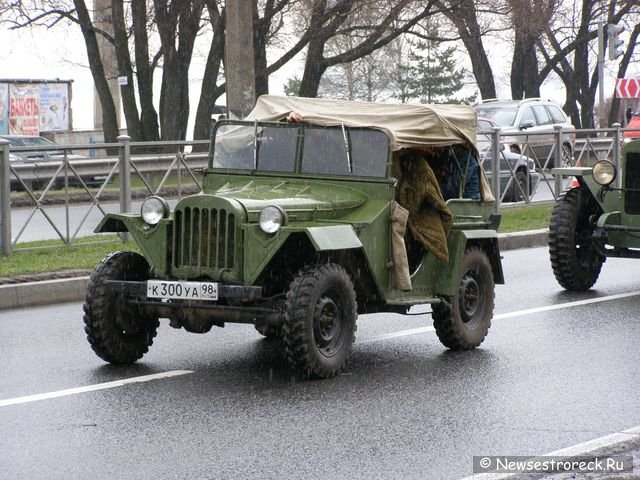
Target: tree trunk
point(174, 98)
point(144, 72)
point(109, 117)
point(524, 68)
point(464, 17)
point(210, 90)
point(260, 31)
point(314, 68)
point(178, 23)
point(530, 18)
point(121, 43)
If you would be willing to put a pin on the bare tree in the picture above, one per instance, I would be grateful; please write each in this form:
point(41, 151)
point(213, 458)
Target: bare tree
point(466, 15)
point(211, 90)
point(569, 49)
point(367, 78)
point(530, 19)
point(109, 115)
point(178, 24)
point(267, 26)
point(327, 20)
point(125, 68)
point(145, 65)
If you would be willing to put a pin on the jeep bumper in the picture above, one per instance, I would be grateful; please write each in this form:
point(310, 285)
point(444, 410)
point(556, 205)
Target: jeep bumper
point(235, 304)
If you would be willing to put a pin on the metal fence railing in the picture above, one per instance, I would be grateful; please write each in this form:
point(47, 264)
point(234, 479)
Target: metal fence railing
point(526, 158)
point(76, 185)
point(71, 186)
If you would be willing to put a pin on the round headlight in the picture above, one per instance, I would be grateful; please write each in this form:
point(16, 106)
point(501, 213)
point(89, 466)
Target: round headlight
point(154, 209)
point(604, 172)
point(271, 219)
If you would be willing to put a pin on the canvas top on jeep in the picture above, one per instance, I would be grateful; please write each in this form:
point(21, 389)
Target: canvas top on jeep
point(406, 125)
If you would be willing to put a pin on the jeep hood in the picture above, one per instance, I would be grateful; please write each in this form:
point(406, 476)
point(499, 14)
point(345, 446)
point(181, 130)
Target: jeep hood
point(254, 196)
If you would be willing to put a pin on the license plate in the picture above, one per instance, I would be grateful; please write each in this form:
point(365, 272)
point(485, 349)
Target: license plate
point(182, 290)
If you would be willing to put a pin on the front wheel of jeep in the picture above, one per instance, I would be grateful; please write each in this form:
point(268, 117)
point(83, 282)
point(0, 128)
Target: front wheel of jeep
point(575, 260)
point(320, 321)
point(269, 331)
point(464, 323)
point(118, 333)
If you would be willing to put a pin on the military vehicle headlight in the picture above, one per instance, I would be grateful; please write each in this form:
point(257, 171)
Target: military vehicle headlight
point(271, 219)
point(154, 209)
point(604, 172)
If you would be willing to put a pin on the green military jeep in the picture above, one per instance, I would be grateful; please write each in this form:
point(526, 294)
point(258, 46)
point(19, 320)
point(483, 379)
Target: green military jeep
point(598, 217)
point(301, 226)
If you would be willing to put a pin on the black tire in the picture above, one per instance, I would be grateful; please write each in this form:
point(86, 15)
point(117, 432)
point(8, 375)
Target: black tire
point(320, 321)
point(465, 323)
point(567, 156)
point(269, 331)
point(118, 333)
point(575, 260)
point(517, 194)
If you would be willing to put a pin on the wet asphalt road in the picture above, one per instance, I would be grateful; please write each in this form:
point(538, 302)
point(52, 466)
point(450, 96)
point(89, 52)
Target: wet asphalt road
point(404, 409)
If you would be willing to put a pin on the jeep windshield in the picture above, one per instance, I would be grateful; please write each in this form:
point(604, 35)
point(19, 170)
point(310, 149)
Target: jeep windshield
point(301, 148)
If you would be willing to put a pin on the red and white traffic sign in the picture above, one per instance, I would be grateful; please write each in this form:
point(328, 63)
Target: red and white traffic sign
point(628, 87)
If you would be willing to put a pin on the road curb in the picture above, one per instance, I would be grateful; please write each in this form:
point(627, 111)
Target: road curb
point(48, 292)
point(526, 239)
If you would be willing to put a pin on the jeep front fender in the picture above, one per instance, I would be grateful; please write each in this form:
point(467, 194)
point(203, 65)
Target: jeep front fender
point(152, 241)
point(584, 175)
point(322, 239)
point(334, 237)
point(116, 222)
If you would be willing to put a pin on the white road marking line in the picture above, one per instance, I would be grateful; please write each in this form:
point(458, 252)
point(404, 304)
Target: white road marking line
point(402, 333)
point(519, 313)
point(578, 450)
point(560, 306)
point(91, 388)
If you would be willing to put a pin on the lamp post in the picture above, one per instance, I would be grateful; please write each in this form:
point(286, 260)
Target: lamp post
point(601, 119)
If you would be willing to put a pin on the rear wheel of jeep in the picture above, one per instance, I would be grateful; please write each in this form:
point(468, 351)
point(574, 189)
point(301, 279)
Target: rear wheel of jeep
point(117, 332)
point(464, 323)
point(574, 257)
point(320, 321)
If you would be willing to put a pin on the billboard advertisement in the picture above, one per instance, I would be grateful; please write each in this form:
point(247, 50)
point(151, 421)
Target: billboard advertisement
point(4, 108)
point(24, 109)
point(54, 107)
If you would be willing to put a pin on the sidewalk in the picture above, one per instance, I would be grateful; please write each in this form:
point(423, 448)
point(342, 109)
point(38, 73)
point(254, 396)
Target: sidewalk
point(61, 290)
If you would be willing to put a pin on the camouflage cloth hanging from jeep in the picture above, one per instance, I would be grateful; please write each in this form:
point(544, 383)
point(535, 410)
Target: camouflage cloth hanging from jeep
point(429, 217)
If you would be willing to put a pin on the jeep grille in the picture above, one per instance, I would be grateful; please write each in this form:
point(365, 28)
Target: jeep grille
point(204, 238)
point(632, 184)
